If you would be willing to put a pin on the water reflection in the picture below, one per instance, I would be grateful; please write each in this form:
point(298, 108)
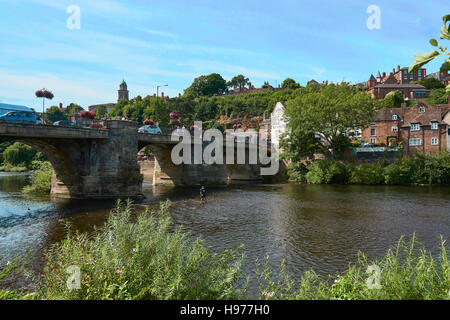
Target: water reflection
point(320, 227)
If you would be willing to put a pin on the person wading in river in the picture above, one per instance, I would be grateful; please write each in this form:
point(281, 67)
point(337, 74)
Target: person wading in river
point(203, 194)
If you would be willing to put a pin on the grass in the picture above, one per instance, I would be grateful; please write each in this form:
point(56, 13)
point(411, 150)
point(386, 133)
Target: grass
point(41, 180)
point(140, 256)
point(10, 168)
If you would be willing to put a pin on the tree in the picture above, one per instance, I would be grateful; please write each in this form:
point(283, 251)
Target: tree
point(55, 114)
point(266, 85)
point(73, 109)
point(290, 83)
point(19, 154)
point(321, 120)
point(433, 83)
point(393, 99)
point(239, 81)
point(422, 59)
point(102, 111)
point(207, 85)
point(438, 96)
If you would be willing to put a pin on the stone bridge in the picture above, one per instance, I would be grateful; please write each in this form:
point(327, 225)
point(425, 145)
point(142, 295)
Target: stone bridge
point(102, 163)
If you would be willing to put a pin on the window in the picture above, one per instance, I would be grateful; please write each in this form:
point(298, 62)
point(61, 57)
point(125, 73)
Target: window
point(395, 117)
point(373, 132)
point(373, 124)
point(421, 94)
point(420, 73)
point(434, 141)
point(394, 129)
point(421, 109)
point(434, 125)
point(373, 140)
point(415, 142)
point(415, 126)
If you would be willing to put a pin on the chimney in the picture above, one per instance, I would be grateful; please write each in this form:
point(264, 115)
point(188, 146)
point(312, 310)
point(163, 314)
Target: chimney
point(162, 95)
point(249, 85)
point(384, 74)
point(398, 68)
point(393, 70)
point(60, 105)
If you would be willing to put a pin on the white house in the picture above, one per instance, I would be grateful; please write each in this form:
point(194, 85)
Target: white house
point(277, 125)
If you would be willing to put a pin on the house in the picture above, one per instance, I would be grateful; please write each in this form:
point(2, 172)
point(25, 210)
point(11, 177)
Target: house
point(399, 79)
point(421, 128)
point(278, 125)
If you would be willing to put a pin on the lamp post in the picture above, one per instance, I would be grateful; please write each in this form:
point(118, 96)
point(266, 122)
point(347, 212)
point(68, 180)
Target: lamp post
point(157, 96)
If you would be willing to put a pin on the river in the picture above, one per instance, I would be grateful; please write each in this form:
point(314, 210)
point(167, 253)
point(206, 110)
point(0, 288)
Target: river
point(310, 226)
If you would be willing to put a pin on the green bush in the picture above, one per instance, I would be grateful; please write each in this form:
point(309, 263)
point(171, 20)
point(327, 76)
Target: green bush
point(297, 171)
point(41, 179)
point(19, 154)
point(9, 168)
point(140, 258)
point(328, 171)
point(372, 173)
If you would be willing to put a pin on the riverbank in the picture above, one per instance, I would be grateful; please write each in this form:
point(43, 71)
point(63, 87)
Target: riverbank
point(418, 170)
point(145, 259)
point(13, 169)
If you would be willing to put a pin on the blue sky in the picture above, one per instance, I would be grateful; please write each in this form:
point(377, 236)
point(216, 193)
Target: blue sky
point(157, 42)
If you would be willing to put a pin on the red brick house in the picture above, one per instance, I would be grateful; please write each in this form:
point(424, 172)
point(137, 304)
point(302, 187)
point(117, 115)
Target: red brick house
point(400, 80)
point(422, 128)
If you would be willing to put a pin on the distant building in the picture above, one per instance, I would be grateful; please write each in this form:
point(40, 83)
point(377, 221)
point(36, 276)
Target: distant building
point(251, 89)
point(278, 125)
point(399, 79)
point(123, 94)
point(444, 77)
point(422, 127)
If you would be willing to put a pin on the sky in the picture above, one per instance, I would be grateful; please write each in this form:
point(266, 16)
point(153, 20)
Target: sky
point(151, 42)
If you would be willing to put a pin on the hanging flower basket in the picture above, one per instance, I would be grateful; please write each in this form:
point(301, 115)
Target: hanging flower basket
point(174, 115)
point(149, 122)
point(87, 115)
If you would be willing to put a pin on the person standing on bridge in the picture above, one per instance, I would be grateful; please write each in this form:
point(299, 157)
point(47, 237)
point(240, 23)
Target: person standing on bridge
point(202, 194)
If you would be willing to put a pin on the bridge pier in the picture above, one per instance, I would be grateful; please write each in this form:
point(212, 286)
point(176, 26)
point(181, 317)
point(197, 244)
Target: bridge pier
point(102, 168)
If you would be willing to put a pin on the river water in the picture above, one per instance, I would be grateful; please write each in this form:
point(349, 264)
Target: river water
point(321, 227)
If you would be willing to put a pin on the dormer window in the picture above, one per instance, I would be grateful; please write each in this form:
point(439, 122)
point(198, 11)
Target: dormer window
point(421, 109)
point(395, 117)
point(415, 126)
point(434, 125)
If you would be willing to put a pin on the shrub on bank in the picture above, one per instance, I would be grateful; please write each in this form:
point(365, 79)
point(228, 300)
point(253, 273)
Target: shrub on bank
point(140, 258)
point(6, 167)
point(19, 154)
point(372, 173)
point(328, 171)
point(407, 272)
point(297, 171)
point(41, 179)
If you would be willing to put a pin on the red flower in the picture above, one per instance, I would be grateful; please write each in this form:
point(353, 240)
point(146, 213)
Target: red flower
point(87, 115)
point(148, 122)
point(174, 115)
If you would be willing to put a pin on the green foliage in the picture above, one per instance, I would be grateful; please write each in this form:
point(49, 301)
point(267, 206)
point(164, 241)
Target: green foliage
point(207, 85)
point(138, 109)
point(407, 272)
point(9, 168)
point(297, 171)
point(41, 179)
point(140, 257)
point(239, 81)
point(327, 171)
point(371, 174)
point(422, 59)
point(19, 154)
point(55, 114)
point(290, 83)
point(329, 112)
point(438, 96)
point(393, 99)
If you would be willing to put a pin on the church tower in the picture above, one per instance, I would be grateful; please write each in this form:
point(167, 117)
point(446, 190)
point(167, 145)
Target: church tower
point(123, 91)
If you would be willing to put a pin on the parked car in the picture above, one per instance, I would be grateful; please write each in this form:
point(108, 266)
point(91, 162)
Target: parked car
point(19, 116)
point(40, 120)
point(150, 129)
point(64, 123)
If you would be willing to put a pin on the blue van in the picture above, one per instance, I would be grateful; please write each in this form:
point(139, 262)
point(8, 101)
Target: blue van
point(19, 116)
point(13, 113)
